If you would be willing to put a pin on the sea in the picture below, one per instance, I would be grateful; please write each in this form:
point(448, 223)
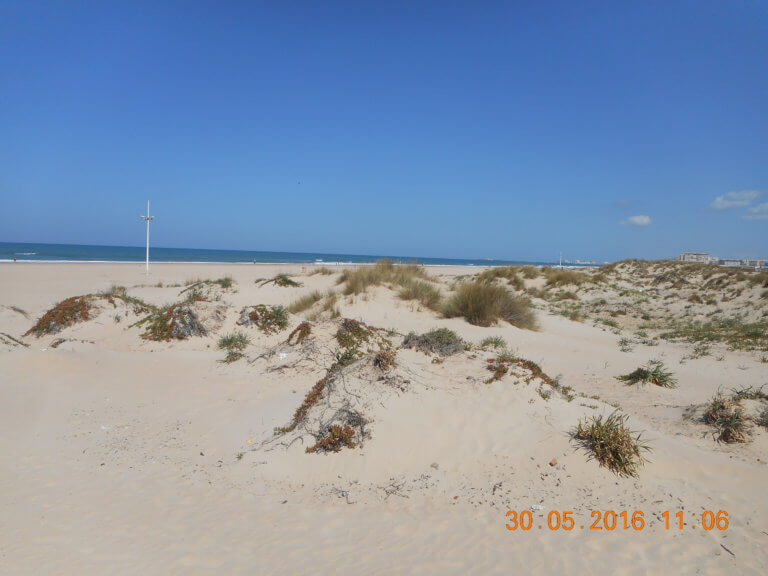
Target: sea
point(25, 252)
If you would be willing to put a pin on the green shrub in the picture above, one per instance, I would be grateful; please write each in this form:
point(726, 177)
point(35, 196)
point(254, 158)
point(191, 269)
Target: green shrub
point(269, 319)
point(440, 341)
point(352, 334)
point(482, 304)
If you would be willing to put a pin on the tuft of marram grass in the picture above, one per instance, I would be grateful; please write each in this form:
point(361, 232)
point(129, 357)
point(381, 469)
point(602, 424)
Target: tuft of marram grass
point(322, 270)
point(564, 277)
point(612, 443)
point(305, 302)
point(510, 273)
point(654, 373)
point(727, 416)
point(234, 341)
point(234, 344)
point(483, 304)
point(383, 272)
point(424, 292)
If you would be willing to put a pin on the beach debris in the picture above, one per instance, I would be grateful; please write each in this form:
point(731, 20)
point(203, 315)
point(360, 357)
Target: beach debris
point(553, 462)
point(334, 410)
point(11, 341)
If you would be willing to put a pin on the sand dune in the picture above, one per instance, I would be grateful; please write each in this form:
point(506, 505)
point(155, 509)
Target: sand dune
point(123, 455)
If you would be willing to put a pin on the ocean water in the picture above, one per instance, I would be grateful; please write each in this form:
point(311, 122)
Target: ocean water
point(24, 252)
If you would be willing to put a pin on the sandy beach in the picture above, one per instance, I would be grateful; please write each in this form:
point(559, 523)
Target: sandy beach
point(125, 455)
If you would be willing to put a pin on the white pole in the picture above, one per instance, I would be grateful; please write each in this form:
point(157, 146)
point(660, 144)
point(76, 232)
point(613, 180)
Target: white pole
point(148, 218)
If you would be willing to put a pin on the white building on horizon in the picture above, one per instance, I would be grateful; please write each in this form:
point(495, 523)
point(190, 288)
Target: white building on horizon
point(698, 257)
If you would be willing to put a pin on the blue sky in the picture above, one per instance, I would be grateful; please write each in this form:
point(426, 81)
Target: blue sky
point(514, 130)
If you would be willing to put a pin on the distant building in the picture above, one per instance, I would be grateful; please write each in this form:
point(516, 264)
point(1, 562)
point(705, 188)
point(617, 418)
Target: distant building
point(697, 257)
point(730, 263)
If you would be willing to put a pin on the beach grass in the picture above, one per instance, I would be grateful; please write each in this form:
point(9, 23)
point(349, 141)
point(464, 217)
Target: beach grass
point(483, 304)
point(612, 443)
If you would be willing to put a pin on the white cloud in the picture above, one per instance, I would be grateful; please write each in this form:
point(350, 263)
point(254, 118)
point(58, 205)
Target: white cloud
point(639, 220)
point(759, 212)
point(735, 199)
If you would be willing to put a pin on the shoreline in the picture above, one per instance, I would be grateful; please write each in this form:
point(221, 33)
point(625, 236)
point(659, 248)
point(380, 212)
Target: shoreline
point(316, 264)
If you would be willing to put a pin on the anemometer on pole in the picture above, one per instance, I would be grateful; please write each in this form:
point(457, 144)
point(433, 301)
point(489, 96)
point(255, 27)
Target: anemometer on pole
point(147, 219)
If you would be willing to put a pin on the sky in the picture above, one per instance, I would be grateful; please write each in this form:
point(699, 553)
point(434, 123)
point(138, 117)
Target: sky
point(516, 130)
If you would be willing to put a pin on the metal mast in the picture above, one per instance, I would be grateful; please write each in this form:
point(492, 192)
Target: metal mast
point(147, 219)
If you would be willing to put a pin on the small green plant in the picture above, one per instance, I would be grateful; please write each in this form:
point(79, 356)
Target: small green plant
point(482, 304)
point(728, 418)
point(441, 341)
point(749, 393)
point(344, 358)
point(762, 418)
point(626, 345)
point(234, 344)
point(700, 350)
point(654, 373)
point(612, 443)
point(493, 342)
point(269, 319)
